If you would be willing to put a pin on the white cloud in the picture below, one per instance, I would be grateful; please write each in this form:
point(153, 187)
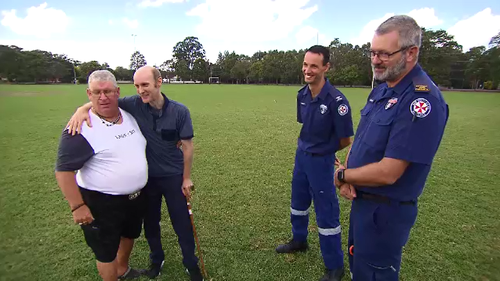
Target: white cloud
point(157, 3)
point(250, 21)
point(425, 17)
point(40, 21)
point(111, 22)
point(130, 23)
point(311, 35)
point(476, 30)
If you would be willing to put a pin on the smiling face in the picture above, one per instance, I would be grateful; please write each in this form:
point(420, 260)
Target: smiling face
point(147, 87)
point(104, 97)
point(313, 68)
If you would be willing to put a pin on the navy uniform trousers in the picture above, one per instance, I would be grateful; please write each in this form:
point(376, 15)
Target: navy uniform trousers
point(377, 233)
point(313, 180)
point(171, 188)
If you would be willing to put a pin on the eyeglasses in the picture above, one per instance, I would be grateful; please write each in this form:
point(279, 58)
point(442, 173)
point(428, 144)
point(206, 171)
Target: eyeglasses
point(383, 56)
point(106, 92)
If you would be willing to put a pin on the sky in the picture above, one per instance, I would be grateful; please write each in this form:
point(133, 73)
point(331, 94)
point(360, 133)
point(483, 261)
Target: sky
point(111, 30)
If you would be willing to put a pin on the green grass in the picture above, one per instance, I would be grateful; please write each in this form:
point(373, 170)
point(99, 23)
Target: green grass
point(245, 139)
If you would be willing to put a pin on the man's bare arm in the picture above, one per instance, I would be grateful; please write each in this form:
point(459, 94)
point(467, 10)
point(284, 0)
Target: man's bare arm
point(345, 142)
point(70, 190)
point(385, 172)
point(188, 151)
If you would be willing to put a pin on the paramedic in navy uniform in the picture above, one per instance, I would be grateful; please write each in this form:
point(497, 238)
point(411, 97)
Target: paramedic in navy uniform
point(105, 194)
point(327, 128)
point(400, 130)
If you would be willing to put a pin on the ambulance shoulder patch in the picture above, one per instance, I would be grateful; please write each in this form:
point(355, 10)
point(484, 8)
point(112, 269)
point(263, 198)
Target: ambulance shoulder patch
point(420, 108)
point(343, 109)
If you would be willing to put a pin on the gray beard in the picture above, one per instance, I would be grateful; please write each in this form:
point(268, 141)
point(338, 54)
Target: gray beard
point(392, 73)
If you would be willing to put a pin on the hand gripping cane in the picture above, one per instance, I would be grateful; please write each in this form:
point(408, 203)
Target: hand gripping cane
point(203, 271)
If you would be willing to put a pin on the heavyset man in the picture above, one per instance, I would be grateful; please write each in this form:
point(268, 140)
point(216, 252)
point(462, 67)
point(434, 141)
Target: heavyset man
point(105, 195)
point(400, 130)
point(164, 123)
point(327, 128)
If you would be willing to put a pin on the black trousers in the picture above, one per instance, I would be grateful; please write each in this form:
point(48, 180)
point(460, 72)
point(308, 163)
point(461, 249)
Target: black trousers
point(171, 189)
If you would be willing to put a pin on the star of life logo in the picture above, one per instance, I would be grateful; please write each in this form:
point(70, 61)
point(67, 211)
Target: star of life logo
point(343, 109)
point(420, 108)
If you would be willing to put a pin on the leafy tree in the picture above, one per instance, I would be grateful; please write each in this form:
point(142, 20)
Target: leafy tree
point(123, 74)
point(185, 54)
point(137, 60)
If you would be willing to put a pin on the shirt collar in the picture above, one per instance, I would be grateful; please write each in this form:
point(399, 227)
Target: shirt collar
point(165, 104)
point(324, 91)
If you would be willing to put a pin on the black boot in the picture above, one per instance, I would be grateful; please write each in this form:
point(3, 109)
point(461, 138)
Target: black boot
point(194, 273)
point(154, 270)
point(333, 275)
point(292, 246)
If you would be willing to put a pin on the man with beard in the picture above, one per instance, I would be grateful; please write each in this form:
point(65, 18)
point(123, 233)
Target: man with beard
point(400, 130)
point(327, 128)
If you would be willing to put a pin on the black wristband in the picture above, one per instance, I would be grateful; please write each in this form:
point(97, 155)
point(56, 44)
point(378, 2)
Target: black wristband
point(340, 175)
point(77, 206)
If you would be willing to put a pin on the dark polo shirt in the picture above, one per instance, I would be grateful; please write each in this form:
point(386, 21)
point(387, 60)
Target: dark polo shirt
point(162, 130)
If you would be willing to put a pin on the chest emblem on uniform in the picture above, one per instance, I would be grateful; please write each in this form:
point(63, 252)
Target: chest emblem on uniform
point(323, 108)
point(391, 103)
point(420, 108)
point(343, 109)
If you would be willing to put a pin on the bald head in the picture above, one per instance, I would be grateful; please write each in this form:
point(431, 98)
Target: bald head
point(147, 81)
point(148, 69)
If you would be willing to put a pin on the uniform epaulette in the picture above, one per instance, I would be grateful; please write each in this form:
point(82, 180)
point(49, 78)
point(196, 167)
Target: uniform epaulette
point(421, 84)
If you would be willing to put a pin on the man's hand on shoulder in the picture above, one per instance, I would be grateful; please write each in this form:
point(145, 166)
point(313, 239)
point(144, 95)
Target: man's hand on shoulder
point(75, 124)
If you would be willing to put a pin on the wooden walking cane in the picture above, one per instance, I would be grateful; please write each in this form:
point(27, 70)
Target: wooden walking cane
point(203, 271)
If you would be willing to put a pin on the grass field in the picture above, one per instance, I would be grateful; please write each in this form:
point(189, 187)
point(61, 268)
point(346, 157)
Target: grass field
point(245, 139)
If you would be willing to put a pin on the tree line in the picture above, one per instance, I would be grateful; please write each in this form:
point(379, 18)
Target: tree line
point(440, 55)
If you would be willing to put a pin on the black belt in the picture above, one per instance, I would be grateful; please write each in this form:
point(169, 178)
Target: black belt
point(313, 154)
point(115, 196)
point(382, 199)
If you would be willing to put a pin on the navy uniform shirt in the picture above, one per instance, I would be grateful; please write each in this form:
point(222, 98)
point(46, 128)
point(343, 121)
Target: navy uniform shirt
point(162, 130)
point(326, 119)
point(405, 122)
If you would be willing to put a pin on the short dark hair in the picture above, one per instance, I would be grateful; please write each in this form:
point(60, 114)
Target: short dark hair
point(320, 50)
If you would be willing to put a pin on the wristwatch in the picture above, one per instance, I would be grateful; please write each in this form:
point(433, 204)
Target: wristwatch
point(340, 175)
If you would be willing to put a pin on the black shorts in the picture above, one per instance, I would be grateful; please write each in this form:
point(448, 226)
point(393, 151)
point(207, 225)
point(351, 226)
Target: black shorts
point(115, 216)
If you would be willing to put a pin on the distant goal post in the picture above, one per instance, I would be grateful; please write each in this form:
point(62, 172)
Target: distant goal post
point(213, 80)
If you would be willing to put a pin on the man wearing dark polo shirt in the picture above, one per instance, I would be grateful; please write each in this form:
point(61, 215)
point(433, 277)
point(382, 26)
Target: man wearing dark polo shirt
point(163, 123)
